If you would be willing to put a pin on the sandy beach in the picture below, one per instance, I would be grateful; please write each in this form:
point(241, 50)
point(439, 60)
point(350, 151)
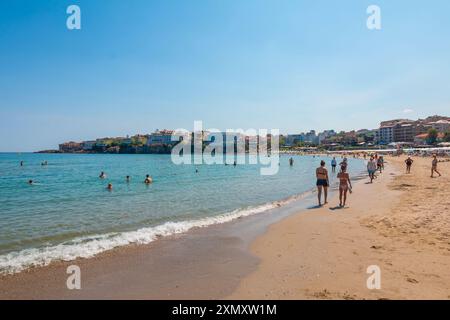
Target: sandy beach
point(400, 223)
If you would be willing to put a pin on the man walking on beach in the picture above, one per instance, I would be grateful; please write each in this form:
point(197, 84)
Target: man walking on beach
point(409, 163)
point(371, 168)
point(434, 164)
point(322, 182)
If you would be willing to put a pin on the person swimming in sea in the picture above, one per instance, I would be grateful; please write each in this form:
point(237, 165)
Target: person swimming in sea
point(30, 182)
point(344, 185)
point(102, 175)
point(148, 179)
point(322, 182)
point(109, 187)
point(21, 163)
point(127, 178)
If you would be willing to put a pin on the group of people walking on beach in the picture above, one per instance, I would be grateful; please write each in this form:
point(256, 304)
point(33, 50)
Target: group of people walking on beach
point(374, 165)
point(434, 163)
point(323, 181)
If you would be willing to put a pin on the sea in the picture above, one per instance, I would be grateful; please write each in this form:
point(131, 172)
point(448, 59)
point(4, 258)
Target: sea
point(68, 212)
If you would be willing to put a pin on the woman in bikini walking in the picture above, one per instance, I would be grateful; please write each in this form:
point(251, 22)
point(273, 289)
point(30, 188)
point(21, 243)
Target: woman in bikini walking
point(344, 185)
point(322, 182)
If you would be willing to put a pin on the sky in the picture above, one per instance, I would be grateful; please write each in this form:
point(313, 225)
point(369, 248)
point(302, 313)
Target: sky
point(140, 65)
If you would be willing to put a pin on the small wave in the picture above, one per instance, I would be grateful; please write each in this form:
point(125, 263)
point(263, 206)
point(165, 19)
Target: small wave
point(89, 246)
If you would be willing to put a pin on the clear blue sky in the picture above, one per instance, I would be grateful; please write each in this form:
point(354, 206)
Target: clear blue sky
point(139, 65)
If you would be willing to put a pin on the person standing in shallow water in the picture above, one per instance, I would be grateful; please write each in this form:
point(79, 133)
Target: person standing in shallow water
point(322, 182)
point(333, 165)
point(148, 179)
point(291, 162)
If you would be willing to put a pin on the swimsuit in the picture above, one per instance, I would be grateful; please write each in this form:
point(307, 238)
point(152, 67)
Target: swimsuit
point(322, 182)
point(434, 164)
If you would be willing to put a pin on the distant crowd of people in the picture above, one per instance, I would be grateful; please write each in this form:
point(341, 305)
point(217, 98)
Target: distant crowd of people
point(375, 164)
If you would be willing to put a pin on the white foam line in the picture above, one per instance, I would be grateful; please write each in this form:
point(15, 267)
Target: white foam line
point(88, 247)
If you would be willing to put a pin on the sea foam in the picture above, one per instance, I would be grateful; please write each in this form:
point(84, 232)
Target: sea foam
point(89, 246)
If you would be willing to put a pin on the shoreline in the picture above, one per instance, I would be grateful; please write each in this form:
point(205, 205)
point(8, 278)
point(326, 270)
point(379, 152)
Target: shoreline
point(95, 244)
point(202, 263)
point(400, 223)
point(297, 251)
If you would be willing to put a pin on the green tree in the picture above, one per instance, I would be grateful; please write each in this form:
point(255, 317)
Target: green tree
point(432, 136)
point(447, 136)
point(282, 141)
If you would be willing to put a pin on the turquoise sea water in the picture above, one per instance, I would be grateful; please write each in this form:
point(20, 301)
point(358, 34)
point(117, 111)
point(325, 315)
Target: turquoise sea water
point(69, 213)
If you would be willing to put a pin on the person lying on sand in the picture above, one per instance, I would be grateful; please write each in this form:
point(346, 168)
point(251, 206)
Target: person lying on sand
point(344, 185)
point(322, 182)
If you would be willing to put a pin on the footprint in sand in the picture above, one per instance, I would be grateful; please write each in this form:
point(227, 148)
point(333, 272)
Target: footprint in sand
point(412, 280)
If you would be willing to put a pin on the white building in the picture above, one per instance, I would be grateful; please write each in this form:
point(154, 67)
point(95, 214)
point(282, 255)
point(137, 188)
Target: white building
point(441, 125)
point(88, 145)
point(161, 137)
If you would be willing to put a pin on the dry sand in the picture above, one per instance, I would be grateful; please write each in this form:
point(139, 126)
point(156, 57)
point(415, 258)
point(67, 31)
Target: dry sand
point(400, 223)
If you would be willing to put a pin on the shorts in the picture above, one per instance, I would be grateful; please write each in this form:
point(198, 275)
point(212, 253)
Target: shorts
point(371, 171)
point(322, 182)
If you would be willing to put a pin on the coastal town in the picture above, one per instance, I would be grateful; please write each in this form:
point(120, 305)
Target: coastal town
point(433, 131)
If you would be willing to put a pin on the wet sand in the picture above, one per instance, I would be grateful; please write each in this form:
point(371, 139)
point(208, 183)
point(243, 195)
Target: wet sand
point(400, 223)
point(205, 263)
